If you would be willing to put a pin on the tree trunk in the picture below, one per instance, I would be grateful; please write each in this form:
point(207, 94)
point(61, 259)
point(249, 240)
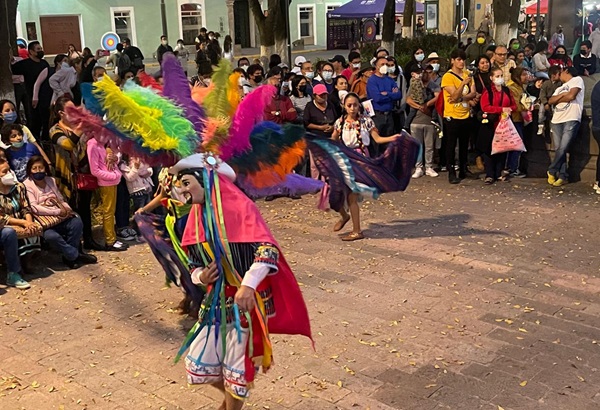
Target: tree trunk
point(407, 18)
point(8, 47)
point(271, 26)
point(281, 48)
point(389, 24)
point(506, 18)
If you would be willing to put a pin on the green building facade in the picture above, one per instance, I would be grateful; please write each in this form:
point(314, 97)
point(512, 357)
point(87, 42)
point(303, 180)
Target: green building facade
point(84, 22)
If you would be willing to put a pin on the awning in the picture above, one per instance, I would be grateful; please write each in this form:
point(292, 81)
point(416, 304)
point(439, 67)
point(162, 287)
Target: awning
point(531, 7)
point(368, 8)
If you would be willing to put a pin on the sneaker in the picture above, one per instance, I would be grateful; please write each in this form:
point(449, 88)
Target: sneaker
point(418, 173)
point(443, 169)
point(596, 187)
point(87, 259)
point(117, 247)
point(75, 264)
point(560, 182)
point(16, 281)
point(517, 174)
point(551, 178)
point(540, 130)
point(132, 232)
point(124, 235)
point(430, 172)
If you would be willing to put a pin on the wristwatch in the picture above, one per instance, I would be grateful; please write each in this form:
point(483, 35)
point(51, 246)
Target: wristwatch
point(278, 113)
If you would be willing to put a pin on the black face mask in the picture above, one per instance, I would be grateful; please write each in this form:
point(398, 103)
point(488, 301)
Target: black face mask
point(302, 88)
point(258, 78)
point(40, 54)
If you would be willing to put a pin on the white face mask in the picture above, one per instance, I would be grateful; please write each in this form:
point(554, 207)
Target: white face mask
point(100, 78)
point(8, 179)
point(64, 65)
point(356, 65)
point(436, 67)
point(419, 57)
point(164, 42)
point(309, 74)
point(383, 70)
point(498, 81)
point(327, 75)
point(244, 67)
point(241, 81)
point(285, 84)
point(391, 70)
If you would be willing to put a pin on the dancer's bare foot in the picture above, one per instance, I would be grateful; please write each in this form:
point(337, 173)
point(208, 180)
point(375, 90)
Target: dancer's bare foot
point(340, 224)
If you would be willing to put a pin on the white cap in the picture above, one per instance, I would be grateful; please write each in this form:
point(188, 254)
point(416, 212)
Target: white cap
point(298, 61)
point(203, 160)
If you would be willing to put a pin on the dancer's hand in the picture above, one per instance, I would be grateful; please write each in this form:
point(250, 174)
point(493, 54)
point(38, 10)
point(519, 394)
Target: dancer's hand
point(244, 298)
point(210, 274)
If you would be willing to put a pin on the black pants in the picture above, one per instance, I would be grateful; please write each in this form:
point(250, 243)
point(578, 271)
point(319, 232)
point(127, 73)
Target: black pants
point(494, 164)
point(457, 130)
point(122, 211)
point(596, 134)
point(21, 98)
point(39, 122)
point(84, 209)
point(385, 126)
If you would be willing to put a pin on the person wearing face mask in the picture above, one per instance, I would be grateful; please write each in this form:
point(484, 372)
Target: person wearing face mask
point(299, 96)
point(502, 61)
point(8, 116)
point(560, 58)
point(385, 94)
point(360, 85)
point(585, 62)
point(63, 79)
point(19, 151)
point(306, 69)
point(36, 72)
point(163, 48)
point(478, 47)
point(528, 57)
point(135, 55)
point(213, 49)
point(255, 77)
point(63, 228)
point(351, 72)
point(326, 76)
point(280, 109)
point(243, 63)
point(19, 234)
point(557, 39)
point(496, 100)
point(339, 64)
point(416, 61)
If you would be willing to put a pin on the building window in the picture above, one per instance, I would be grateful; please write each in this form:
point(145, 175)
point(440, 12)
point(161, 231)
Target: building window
point(306, 21)
point(331, 8)
point(191, 21)
point(123, 23)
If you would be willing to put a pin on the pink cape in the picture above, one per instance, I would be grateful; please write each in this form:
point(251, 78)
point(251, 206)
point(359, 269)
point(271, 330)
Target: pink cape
point(244, 224)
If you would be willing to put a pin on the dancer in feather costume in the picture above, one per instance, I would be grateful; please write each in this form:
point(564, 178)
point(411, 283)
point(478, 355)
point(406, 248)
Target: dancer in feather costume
point(214, 241)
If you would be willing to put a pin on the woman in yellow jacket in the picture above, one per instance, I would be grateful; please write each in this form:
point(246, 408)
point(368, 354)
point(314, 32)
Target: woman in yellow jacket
point(517, 86)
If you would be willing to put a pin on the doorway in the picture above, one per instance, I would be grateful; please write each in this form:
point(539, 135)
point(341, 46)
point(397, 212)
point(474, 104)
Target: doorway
point(241, 16)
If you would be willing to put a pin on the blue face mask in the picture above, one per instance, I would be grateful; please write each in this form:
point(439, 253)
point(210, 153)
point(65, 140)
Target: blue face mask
point(10, 117)
point(17, 144)
point(38, 176)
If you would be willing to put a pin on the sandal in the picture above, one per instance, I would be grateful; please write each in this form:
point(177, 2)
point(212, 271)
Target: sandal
point(488, 181)
point(340, 225)
point(353, 236)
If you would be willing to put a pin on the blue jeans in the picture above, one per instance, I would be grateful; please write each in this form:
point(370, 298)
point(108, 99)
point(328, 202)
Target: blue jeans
point(66, 237)
point(10, 245)
point(562, 135)
point(513, 157)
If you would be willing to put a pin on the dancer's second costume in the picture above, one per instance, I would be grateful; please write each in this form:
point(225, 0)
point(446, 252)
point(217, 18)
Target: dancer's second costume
point(219, 223)
point(227, 228)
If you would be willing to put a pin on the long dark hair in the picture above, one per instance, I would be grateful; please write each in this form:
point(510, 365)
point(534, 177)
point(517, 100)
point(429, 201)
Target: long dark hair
point(515, 74)
point(2, 104)
point(59, 106)
point(294, 86)
point(227, 44)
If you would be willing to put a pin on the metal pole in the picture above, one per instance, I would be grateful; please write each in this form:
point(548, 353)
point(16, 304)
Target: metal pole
point(163, 15)
point(537, 20)
point(286, 10)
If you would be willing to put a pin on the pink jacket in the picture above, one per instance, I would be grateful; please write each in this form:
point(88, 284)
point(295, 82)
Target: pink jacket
point(97, 159)
point(41, 199)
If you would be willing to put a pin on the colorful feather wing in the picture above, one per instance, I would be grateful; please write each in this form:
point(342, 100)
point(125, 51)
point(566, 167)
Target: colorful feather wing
point(177, 88)
point(249, 113)
point(216, 102)
point(146, 80)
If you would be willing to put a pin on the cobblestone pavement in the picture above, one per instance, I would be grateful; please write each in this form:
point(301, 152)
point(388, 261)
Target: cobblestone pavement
point(462, 297)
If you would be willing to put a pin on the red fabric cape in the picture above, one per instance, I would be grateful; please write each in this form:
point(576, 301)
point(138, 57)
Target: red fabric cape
point(244, 224)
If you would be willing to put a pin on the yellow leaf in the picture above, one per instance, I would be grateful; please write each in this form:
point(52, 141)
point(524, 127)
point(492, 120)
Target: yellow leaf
point(508, 321)
point(339, 383)
point(437, 366)
point(136, 374)
point(522, 330)
point(51, 389)
point(305, 395)
point(35, 384)
point(430, 385)
point(581, 379)
point(500, 407)
point(523, 383)
point(547, 285)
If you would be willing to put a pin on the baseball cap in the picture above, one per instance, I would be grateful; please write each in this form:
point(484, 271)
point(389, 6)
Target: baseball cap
point(320, 89)
point(298, 61)
point(338, 58)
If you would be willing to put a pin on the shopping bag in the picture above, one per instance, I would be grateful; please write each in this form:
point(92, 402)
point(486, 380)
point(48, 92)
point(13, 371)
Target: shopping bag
point(506, 137)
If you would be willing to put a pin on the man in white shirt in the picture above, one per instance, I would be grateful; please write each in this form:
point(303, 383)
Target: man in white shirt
point(595, 39)
point(568, 108)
